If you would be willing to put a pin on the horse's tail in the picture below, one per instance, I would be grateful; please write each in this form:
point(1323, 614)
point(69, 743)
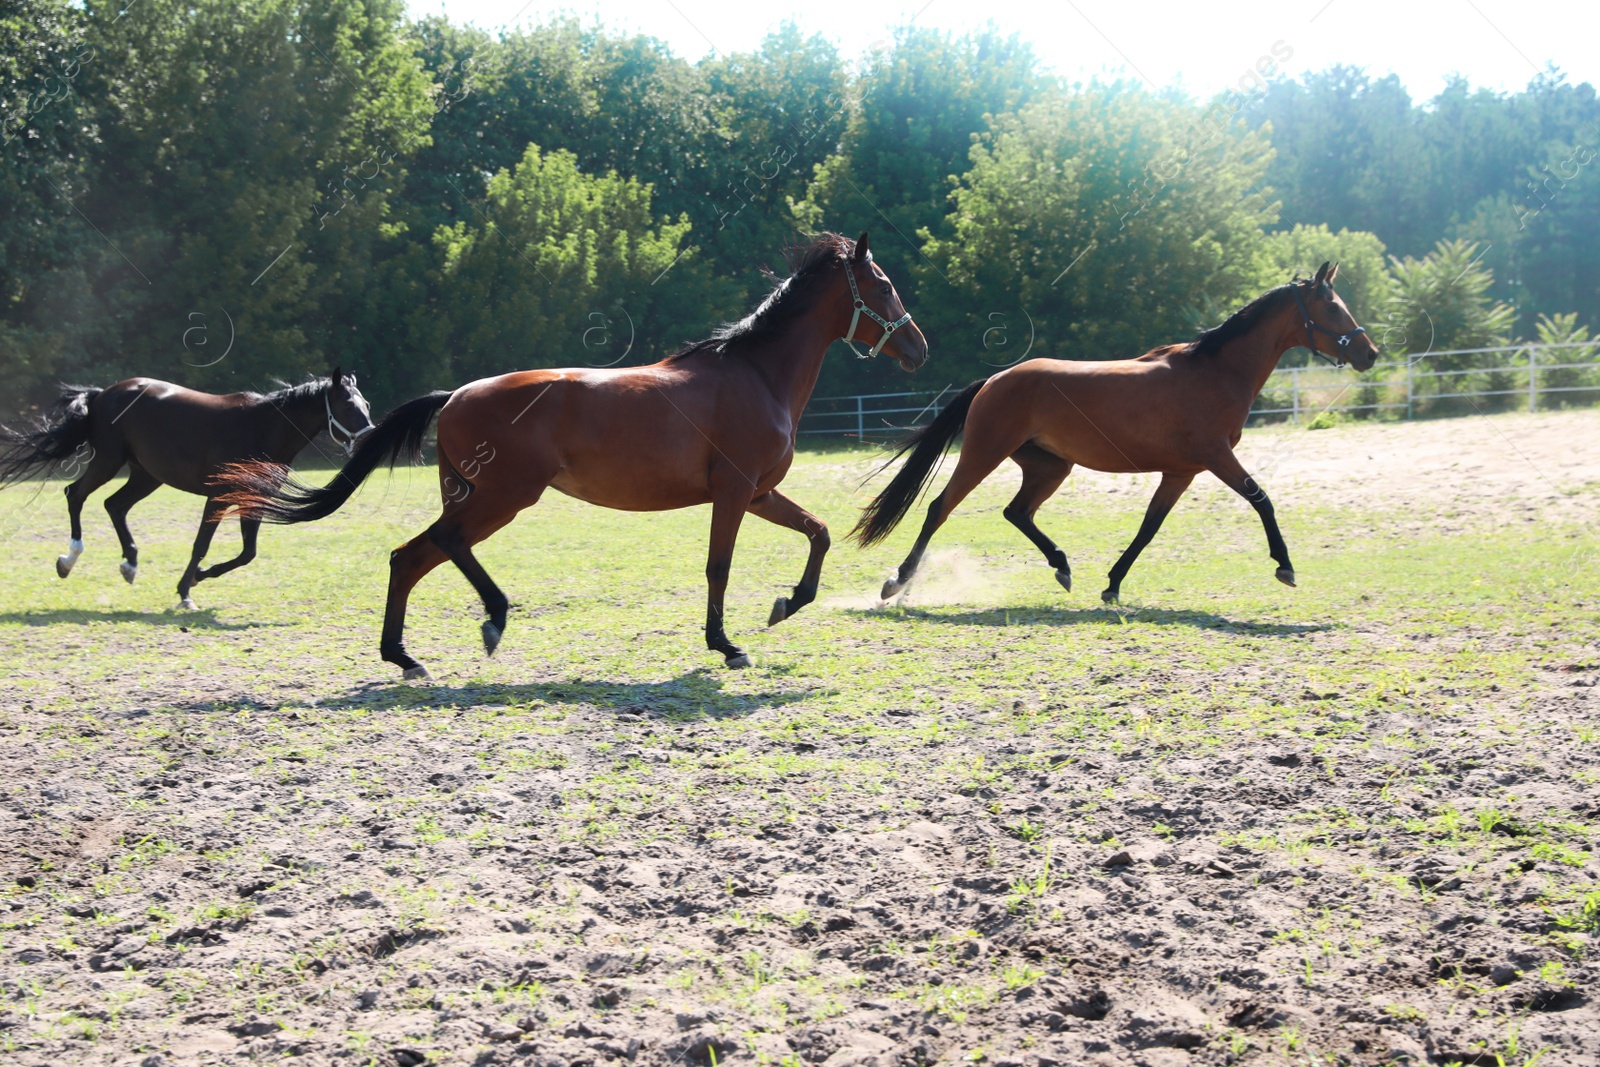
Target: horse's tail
point(927, 446)
point(57, 437)
point(266, 491)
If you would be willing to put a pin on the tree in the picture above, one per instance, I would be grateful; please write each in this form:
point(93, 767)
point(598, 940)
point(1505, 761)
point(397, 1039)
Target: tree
point(1108, 216)
point(559, 275)
point(916, 110)
point(42, 137)
point(247, 155)
point(1441, 303)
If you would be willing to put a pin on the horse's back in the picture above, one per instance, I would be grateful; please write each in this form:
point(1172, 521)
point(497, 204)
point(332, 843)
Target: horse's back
point(1114, 415)
point(635, 438)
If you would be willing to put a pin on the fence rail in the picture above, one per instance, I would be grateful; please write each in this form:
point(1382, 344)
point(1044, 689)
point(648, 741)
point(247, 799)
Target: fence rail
point(1413, 386)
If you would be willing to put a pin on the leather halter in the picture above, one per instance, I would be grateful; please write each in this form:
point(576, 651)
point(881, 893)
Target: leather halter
point(860, 306)
point(335, 427)
point(1312, 326)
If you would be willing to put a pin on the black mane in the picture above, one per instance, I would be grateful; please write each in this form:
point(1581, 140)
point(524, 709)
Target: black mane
point(792, 297)
point(1241, 322)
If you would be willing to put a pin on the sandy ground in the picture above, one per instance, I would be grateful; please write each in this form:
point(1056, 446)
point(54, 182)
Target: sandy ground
point(195, 880)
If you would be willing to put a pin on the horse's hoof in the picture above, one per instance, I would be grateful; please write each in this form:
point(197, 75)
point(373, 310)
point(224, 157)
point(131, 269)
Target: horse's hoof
point(1110, 596)
point(738, 661)
point(130, 571)
point(780, 611)
point(1065, 578)
point(491, 638)
point(64, 563)
point(419, 673)
point(188, 604)
point(891, 588)
point(1286, 576)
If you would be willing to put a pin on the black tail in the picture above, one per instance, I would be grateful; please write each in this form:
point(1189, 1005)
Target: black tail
point(927, 446)
point(58, 436)
point(265, 491)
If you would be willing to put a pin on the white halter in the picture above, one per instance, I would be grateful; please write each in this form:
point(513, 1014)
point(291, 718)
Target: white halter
point(860, 306)
point(350, 439)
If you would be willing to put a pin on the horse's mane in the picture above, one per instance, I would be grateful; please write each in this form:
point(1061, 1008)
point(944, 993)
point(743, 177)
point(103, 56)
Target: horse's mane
point(1241, 322)
point(311, 387)
point(788, 301)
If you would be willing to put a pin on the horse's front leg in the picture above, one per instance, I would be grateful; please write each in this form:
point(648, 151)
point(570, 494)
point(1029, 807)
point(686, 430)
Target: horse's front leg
point(781, 511)
point(1235, 477)
point(727, 511)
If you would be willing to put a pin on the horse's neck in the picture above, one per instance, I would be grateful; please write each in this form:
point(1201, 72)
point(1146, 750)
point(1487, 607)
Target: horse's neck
point(292, 424)
point(791, 365)
point(1255, 355)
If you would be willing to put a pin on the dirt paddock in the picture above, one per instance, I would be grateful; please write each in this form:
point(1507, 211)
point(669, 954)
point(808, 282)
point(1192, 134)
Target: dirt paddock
point(1231, 823)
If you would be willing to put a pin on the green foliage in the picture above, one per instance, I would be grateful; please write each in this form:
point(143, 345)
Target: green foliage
point(1579, 384)
point(1442, 302)
point(919, 107)
point(301, 184)
point(560, 248)
point(1115, 218)
point(1508, 171)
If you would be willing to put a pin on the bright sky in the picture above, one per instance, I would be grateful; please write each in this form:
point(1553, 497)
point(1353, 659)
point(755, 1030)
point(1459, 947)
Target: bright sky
point(1203, 45)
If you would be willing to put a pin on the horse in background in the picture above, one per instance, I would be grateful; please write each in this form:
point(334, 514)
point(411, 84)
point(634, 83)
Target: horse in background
point(166, 434)
point(1177, 410)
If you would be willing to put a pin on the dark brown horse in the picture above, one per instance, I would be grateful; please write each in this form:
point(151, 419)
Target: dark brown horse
point(714, 423)
point(166, 434)
point(1178, 410)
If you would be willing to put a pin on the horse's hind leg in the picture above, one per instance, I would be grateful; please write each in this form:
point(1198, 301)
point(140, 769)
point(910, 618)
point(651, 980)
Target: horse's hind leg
point(407, 566)
point(103, 466)
point(454, 535)
point(139, 485)
point(1042, 474)
point(780, 510)
point(980, 455)
point(1166, 495)
point(202, 542)
point(249, 530)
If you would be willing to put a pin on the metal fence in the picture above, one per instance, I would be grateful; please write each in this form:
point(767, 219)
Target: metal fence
point(1512, 377)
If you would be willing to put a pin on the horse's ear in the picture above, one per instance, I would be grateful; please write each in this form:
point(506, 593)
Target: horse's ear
point(1333, 272)
point(862, 251)
point(1322, 274)
point(337, 373)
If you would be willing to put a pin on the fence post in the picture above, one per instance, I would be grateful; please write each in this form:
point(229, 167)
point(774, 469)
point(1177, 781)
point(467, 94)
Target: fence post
point(1410, 385)
point(861, 420)
point(1533, 379)
point(1294, 385)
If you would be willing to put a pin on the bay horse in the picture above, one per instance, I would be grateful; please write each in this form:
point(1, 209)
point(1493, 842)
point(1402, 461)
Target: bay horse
point(168, 435)
point(1177, 410)
point(715, 423)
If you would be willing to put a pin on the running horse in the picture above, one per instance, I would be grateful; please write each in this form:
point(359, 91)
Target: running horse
point(714, 423)
point(166, 434)
point(1177, 410)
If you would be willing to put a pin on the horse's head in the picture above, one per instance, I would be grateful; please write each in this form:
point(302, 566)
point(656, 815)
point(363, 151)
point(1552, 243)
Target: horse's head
point(871, 289)
point(349, 417)
point(1322, 311)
